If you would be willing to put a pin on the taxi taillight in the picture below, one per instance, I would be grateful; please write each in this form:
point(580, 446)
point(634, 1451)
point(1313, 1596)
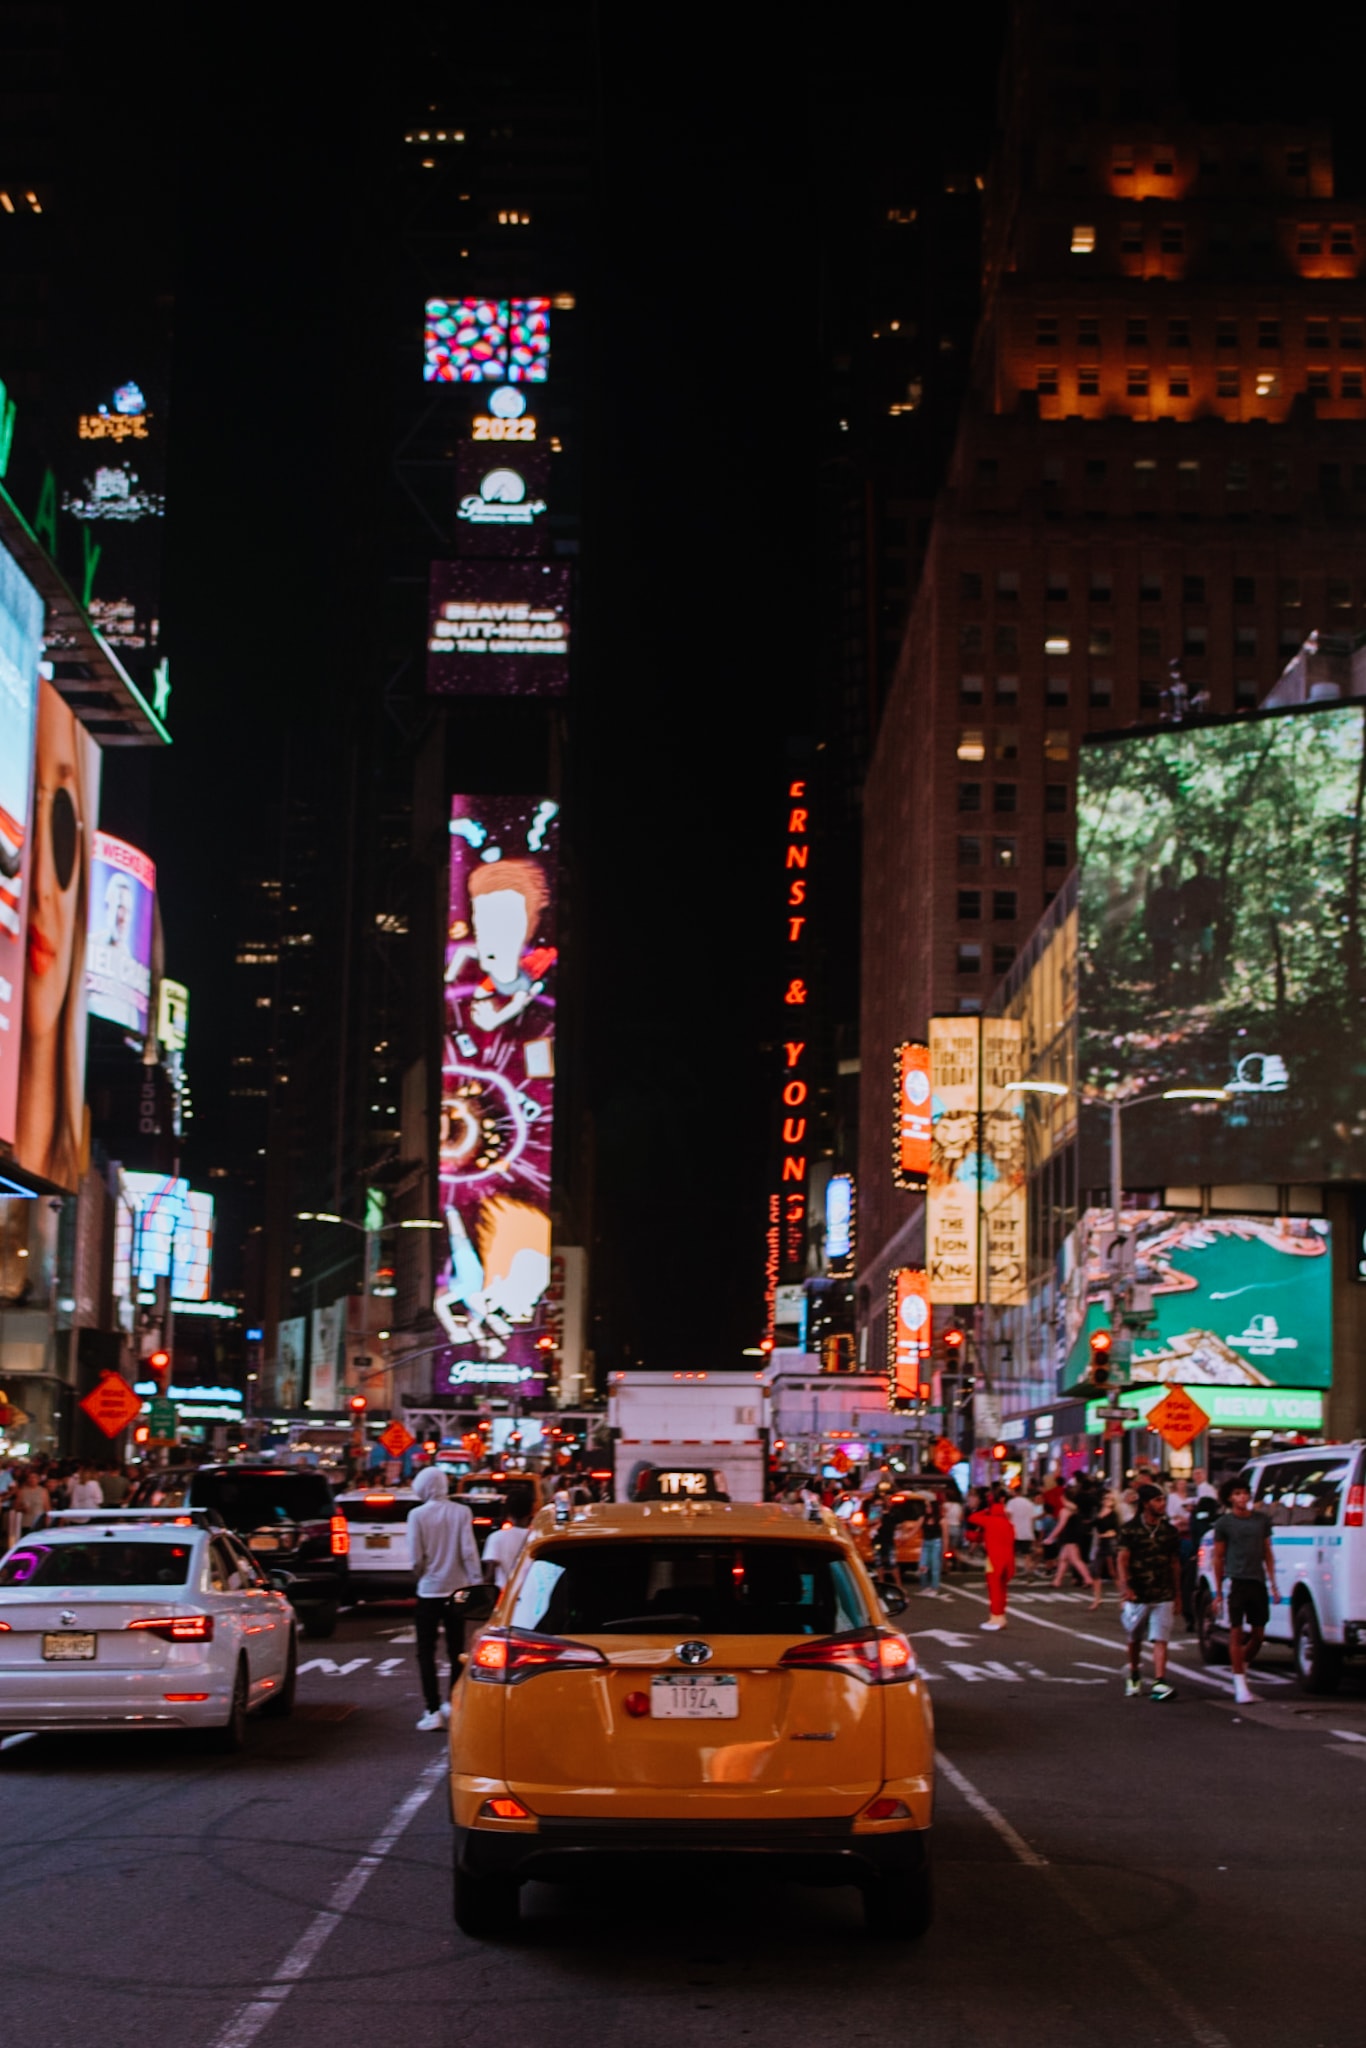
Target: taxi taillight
point(341, 1537)
point(5, 1629)
point(508, 1656)
point(178, 1628)
point(1355, 1517)
point(878, 1656)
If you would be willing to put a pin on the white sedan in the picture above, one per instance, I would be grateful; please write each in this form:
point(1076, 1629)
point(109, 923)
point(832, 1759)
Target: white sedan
point(141, 1618)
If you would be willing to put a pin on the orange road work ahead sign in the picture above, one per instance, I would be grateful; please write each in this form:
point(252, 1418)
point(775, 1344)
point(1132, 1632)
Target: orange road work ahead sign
point(945, 1455)
point(111, 1404)
point(1177, 1419)
point(396, 1439)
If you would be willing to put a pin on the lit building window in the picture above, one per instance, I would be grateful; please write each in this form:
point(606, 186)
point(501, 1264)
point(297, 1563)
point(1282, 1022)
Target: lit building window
point(1268, 384)
point(1083, 241)
point(1057, 643)
point(972, 744)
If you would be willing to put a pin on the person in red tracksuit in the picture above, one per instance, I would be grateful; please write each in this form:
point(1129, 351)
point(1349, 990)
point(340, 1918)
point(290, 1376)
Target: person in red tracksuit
point(998, 1534)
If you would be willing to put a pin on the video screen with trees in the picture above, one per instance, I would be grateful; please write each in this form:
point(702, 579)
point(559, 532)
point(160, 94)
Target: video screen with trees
point(1222, 871)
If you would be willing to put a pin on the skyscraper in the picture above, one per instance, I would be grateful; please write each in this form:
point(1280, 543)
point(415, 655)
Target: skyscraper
point(1156, 494)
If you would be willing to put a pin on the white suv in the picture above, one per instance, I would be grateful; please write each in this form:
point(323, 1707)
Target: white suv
point(381, 1559)
point(141, 1618)
point(1315, 1501)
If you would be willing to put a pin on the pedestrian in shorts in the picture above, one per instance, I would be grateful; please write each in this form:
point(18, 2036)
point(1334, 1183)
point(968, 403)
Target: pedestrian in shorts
point(1148, 1561)
point(1242, 1550)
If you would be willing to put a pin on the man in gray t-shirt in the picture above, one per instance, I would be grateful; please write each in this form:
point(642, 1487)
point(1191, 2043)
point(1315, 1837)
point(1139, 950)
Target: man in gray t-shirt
point(1243, 1555)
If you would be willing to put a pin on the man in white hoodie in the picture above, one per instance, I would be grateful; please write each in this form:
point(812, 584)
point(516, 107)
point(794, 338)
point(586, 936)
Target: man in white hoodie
point(446, 1559)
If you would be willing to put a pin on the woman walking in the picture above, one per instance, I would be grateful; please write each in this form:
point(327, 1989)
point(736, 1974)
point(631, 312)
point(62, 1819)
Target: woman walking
point(1072, 1538)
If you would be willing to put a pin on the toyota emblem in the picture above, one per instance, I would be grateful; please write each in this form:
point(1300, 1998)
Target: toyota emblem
point(693, 1653)
point(67, 1618)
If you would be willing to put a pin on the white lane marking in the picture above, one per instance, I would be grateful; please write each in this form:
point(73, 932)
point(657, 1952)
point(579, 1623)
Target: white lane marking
point(13, 1741)
point(1154, 1983)
point(1345, 1734)
point(1219, 1683)
point(247, 2022)
point(330, 1669)
point(948, 1636)
point(390, 1666)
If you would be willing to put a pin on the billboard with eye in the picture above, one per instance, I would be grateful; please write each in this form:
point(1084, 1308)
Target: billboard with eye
point(498, 1093)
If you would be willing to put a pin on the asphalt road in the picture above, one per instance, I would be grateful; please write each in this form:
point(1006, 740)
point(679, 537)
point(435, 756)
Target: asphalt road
point(1109, 1872)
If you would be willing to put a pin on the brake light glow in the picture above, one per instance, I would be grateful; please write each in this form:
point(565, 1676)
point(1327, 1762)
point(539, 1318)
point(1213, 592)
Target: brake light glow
point(379, 1500)
point(178, 1628)
point(878, 1656)
point(341, 1537)
point(508, 1656)
point(174, 1696)
point(1355, 1517)
point(5, 1629)
point(505, 1808)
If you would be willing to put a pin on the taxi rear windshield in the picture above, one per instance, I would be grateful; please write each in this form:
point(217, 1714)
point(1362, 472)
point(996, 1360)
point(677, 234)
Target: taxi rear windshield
point(741, 1589)
point(105, 1563)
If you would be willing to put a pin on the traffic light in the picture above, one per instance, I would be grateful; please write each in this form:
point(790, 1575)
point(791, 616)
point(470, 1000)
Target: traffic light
point(953, 1347)
point(998, 1450)
point(1098, 1371)
point(159, 1365)
point(358, 1404)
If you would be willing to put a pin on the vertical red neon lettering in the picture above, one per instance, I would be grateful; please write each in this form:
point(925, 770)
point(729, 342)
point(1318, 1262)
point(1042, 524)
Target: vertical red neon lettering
point(794, 1050)
point(797, 822)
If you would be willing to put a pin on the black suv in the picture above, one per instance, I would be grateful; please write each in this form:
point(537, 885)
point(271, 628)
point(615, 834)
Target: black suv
point(284, 1515)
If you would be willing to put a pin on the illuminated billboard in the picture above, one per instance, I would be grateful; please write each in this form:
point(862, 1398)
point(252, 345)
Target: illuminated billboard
point(497, 1092)
point(1237, 1301)
point(911, 1116)
point(1222, 946)
point(118, 954)
point(839, 1225)
point(21, 643)
point(498, 629)
point(486, 341)
point(909, 1338)
point(164, 1230)
point(49, 1133)
point(976, 1201)
point(500, 499)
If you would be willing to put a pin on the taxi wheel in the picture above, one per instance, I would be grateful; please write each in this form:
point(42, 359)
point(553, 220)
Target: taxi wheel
point(280, 1705)
point(231, 1734)
point(899, 1908)
point(486, 1908)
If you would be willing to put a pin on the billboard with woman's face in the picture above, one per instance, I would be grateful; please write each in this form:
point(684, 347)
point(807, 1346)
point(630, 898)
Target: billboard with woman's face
point(497, 1092)
point(21, 643)
point(49, 1125)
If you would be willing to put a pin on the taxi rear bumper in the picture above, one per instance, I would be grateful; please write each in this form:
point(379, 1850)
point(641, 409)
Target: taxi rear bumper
point(803, 1851)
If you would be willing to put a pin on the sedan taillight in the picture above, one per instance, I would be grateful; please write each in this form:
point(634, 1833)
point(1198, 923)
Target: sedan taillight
point(5, 1629)
point(507, 1656)
point(179, 1628)
point(341, 1537)
point(1356, 1508)
point(878, 1656)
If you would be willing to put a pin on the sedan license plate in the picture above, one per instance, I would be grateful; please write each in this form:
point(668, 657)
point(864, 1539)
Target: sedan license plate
point(694, 1699)
point(377, 1542)
point(68, 1648)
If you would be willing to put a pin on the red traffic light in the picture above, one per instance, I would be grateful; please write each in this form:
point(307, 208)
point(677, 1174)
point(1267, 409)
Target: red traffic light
point(953, 1340)
point(358, 1404)
point(924, 1390)
point(1101, 1340)
point(160, 1362)
point(765, 1344)
point(998, 1450)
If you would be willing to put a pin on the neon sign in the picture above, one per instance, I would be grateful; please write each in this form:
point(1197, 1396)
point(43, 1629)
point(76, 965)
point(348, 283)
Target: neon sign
point(911, 1116)
point(908, 1338)
point(788, 1201)
point(839, 1225)
point(486, 341)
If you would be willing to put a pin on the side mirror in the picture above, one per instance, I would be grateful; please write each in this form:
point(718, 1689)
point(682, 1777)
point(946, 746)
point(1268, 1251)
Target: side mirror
point(894, 1601)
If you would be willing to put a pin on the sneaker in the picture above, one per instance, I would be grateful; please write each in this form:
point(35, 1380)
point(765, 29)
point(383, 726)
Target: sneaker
point(445, 1710)
point(1132, 1687)
point(993, 1622)
point(429, 1722)
point(1161, 1691)
point(1243, 1693)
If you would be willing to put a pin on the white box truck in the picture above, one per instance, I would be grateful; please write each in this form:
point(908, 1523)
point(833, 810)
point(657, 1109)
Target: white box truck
point(680, 1435)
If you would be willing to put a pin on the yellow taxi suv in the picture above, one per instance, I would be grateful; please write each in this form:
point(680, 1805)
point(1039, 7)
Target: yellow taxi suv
point(681, 1679)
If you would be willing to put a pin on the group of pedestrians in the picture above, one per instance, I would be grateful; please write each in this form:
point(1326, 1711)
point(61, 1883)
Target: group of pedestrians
point(33, 1487)
point(1148, 1538)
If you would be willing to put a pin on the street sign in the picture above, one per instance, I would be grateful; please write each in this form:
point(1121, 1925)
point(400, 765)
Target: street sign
point(944, 1456)
point(1177, 1419)
point(161, 1420)
point(396, 1439)
point(111, 1404)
